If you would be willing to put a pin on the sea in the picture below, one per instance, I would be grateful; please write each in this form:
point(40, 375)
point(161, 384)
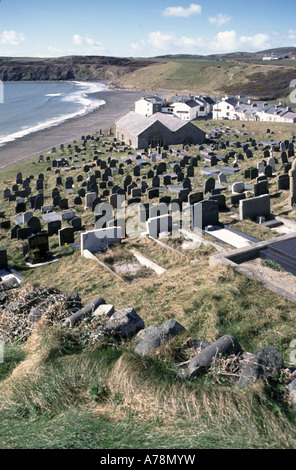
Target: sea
point(27, 107)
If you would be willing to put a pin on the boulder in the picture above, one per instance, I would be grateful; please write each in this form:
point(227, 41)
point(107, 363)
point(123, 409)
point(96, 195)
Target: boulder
point(154, 336)
point(124, 323)
point(250, 370)
point(104, 310)
point(271, 361)
point(266, 362)
point(224, 346)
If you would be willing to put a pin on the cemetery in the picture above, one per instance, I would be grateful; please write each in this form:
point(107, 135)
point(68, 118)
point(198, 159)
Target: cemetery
point(181, 255)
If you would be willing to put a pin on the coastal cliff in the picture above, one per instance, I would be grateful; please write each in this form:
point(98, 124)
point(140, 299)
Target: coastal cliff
point(68, 68)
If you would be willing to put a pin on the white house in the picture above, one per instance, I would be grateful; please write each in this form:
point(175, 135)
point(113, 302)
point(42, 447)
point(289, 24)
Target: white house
point(187, 111)
point(149, 105)
point(225, 108)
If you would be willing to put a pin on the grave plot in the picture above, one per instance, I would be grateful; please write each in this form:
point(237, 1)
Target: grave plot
point(272, 262)
point(125, 264)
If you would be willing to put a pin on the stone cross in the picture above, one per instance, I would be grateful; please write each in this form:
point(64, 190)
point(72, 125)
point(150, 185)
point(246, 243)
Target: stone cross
point(292, 175)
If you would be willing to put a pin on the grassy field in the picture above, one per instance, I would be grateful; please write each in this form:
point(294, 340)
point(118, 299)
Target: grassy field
point(255, 80)
point(60, 391)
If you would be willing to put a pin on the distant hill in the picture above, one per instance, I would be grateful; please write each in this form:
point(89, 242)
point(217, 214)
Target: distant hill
point(234, 73)
point(68, 68)
point(239, 56)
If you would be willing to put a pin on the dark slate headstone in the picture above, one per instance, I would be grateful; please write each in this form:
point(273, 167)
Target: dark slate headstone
point(180, 176)
point(24, 233)
point(13, 232)
point(209, 185)
point(268, 171)
point(234, 200)
point(66, 235)
point(283, 182)
point(34, 224)
point(63, 204)
point(3, 258)
point(76, 223)
point(261, 188)
point(53, 227)
point(220, 198)
point(251, 173)
point(152, 193)
point(156, 182)
point(5, 224)
point(204, 213)
point(39, 202)
point(77, 201)
point(20, 207)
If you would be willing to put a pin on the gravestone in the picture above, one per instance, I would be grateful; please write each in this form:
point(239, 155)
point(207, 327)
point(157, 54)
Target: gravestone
point(261, 188)
point(195, 197)
point(158, 225)
point(76, 223)
point(238, 187)
point(38, 248)
point(283, 182)
point(268, 171)
point(99, 240)
point(13, 232)
point(77, 201)
point(209, 185)
point(23, 233)
point(292, 176)
point(66, 236)
point(34, 224)
point(39, 201)
point(3, 258)
point(53, 227)
point(20, 207)
point(204, 213)
point(152, 193)
point(63, 204)
point(255, 207)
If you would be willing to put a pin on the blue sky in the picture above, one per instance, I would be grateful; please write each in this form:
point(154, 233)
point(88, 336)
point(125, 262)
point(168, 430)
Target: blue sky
point(52, 28)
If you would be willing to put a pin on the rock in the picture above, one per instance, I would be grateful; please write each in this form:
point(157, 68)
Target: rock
point(154, 336)
point(250, 370)
point(271, 361)
point(124, 323)
point(104, 310)
point(266, 362)
point(197, 344)
point(9, 282)
point(226, 345)
point(292, 391)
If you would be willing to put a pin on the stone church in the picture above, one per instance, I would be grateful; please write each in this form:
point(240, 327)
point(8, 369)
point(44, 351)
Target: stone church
point(140, 131)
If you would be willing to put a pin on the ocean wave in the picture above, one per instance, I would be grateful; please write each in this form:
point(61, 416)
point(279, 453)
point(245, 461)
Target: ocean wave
point(81, 96)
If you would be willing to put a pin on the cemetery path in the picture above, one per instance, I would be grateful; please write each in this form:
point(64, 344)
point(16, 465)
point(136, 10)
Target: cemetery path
point(117, 103)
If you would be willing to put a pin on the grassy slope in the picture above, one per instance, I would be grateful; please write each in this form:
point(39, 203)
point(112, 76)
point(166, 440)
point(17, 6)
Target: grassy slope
point(266, 81)
point(106, 397)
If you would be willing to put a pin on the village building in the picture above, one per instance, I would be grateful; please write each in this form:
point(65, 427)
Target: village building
point(149, 105)
point(161, 129)
point(243, 109)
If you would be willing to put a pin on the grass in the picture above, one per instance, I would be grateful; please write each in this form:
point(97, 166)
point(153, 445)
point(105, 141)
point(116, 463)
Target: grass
point(59, 391)
point(261, 81)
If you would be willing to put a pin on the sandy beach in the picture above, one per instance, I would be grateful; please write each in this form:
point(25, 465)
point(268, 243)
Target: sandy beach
point(117, 103)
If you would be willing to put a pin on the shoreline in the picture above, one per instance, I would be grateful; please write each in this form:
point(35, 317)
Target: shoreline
point(117, 103)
